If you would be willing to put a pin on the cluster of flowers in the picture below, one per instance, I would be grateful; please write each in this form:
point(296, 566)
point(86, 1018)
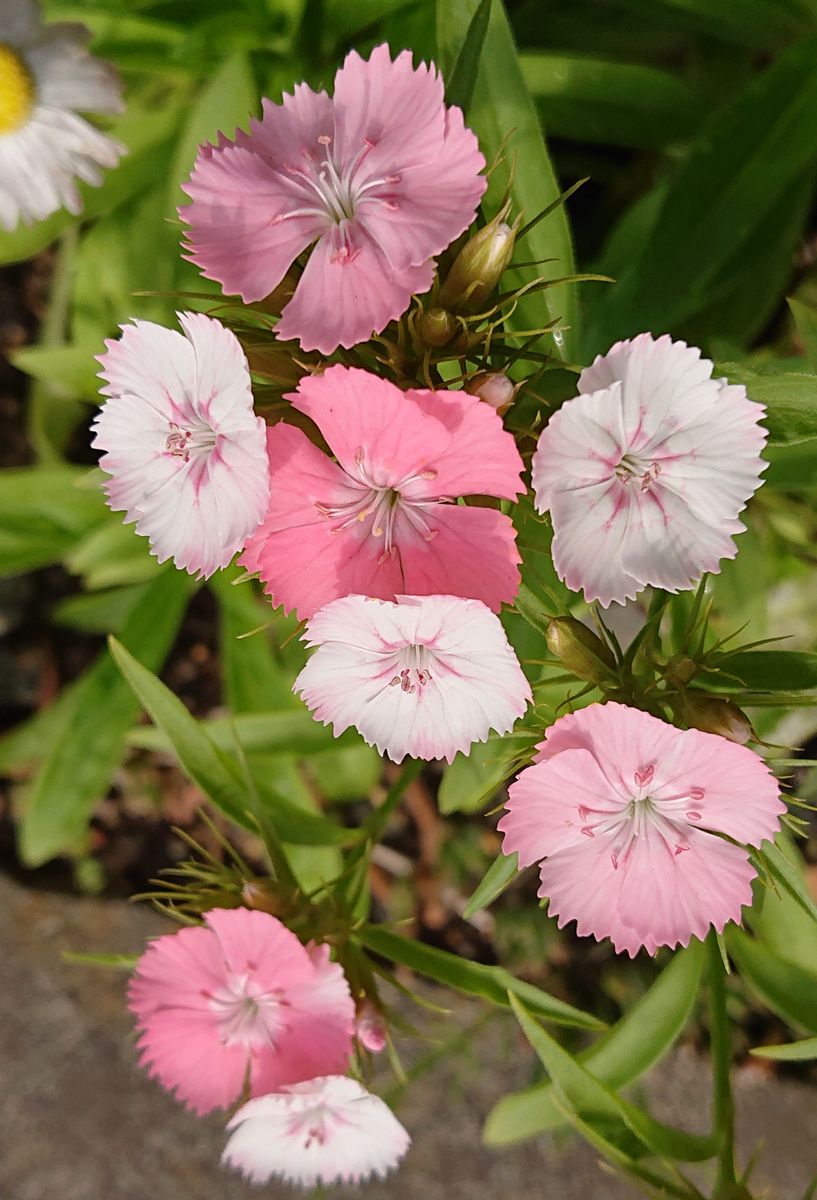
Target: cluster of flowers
point(238, 1003)
point(353, 512)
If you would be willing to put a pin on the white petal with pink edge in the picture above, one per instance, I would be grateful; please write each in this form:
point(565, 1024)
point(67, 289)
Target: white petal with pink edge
point(426, 676)
point(645, 472)
point(327, 1131)
point(184, 450)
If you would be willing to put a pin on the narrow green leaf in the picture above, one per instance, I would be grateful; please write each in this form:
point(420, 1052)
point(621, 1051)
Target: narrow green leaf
point(218, 777)
point(280, 732)
point(226, 103)
point(503, 115)
point(212, 766)
point(99, 612)
point(773, 670)
point(69, 371)
point(785, 987)
point(747, 155)
point(463, 78)
point(475, 979)
point(343, 19)
point(781, 922)
point(473, 779)
point(118, 962)
point(772, 861)
point(790, 398)
point(499, 876)
point(597, 1104)
point(87, 737)
point(802, 1051)
point(805, 320)
point(634, 1044)
point(597, 100)
point(761, 24)
point(255, 679)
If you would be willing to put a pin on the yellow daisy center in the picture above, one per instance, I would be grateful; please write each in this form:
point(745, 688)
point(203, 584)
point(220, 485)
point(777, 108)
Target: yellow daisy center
point(16, 91)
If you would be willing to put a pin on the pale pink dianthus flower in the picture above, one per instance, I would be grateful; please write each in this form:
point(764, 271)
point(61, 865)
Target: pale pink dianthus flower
point(645, 472)
point(326, 1131)
point(185, 451)
point(383, 520)
point(426, 677)
point(624, 813)
point(239, 998)
point(377, 180)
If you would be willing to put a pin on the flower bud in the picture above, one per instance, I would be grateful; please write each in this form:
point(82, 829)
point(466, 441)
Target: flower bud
point(716, 714)
point(435, 327)
point(370, 1027)
point(681, 670)
point(581, 651)
point(478, 267)
point(261, 894)
point(495, 389)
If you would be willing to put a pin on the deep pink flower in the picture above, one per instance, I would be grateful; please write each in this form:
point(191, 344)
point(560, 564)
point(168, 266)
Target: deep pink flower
point(380, 521)
point(326, 1131)
point(237, 995)
point(646, 471)
point(624, 811)
point(427, 677)
point(378, 180)
point(185, 451)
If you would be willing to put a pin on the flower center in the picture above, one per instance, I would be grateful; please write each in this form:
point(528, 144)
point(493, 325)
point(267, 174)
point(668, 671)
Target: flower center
point(385, 507)
point(413, 669)
point(315, 1124)
point(247, 1015)
point(647, 813)
point(338, 188)
point(633, 467)
point(182, 443)
point(17, 93)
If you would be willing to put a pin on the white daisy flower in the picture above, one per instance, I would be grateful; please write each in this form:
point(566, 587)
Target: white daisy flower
point(46, 78)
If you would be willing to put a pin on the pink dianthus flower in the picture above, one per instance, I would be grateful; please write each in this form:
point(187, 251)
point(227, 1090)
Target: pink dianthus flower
point(239, 996)
point(624, 813)
point(645, 472)
point(185, 451)
point(377, 180)
point(383, 519)
point(425, 677)
point(326, 1131)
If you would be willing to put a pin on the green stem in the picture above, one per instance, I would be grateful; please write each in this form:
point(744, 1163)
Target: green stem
point(52, 418)
point(721, 1053)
